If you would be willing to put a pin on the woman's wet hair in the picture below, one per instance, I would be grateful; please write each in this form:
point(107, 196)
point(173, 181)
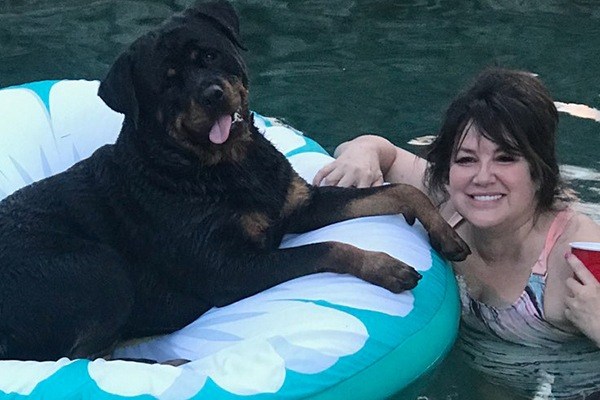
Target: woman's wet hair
point(514, 110)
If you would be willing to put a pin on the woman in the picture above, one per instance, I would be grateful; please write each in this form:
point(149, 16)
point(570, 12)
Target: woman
point(530, 310)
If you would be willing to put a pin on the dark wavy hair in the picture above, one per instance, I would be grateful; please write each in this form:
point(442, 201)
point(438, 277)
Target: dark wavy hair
point(514, 110)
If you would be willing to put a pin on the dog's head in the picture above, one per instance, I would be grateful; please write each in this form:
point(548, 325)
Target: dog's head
point(187, 78)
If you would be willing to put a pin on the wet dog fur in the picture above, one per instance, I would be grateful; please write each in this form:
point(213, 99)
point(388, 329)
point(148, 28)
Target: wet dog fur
point(184, 212)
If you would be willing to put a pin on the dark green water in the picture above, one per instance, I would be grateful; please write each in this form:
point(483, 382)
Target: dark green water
point(337, 68)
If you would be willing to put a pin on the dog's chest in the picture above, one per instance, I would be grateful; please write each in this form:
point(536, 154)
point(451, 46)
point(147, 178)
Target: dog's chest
point(218, 203)
point(260, 181)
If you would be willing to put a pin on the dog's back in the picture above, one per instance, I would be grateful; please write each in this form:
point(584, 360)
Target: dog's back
point(54, 268)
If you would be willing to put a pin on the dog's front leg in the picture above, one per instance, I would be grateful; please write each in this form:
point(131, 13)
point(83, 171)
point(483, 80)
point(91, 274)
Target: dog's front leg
point(327, 205)
point(252, 273)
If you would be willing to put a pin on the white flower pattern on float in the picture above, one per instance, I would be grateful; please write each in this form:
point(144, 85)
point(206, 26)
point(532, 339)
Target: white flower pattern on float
point(261, 335)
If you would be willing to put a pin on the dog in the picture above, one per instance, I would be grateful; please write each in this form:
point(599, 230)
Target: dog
point(183, 213)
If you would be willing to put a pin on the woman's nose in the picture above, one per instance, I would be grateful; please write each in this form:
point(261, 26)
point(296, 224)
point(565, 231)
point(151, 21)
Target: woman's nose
point(484, 173)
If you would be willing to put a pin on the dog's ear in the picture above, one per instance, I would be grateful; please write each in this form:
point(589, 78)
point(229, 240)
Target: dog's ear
point(117, 89)
point(223, 14)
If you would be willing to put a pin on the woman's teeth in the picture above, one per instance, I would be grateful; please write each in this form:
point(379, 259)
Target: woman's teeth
point(487, 197)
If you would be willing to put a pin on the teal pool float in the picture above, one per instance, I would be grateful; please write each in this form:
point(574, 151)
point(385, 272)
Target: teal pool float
point(323, 336)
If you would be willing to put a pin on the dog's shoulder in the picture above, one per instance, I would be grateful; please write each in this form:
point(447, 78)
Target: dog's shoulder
point(264, 155)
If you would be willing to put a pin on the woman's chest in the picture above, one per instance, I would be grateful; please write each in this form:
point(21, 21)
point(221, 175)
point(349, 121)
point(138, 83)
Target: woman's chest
point(502, 288)
point(494, 285)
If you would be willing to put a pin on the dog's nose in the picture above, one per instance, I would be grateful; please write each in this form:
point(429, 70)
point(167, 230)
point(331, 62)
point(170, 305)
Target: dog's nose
point(212, 94)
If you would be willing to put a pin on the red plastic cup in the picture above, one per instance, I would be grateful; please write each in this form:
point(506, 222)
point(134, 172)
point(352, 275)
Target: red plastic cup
point(589, 254)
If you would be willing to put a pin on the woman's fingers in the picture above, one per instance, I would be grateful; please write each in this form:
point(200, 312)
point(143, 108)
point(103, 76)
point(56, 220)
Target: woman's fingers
point(580, 271)
point(343, 174)
point(348, 181)
point(323, 173)
point(573, 285)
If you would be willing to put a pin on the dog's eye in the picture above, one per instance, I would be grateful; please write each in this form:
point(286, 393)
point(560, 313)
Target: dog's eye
point(210, 57)
point(171, 72)
point(203, 56)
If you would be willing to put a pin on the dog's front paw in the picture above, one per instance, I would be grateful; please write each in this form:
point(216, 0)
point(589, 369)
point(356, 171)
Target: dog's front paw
point(389, 273)
point(449, 243)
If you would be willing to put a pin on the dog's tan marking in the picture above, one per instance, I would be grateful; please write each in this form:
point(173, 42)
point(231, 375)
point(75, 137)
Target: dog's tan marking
point(175, 131)
point(255, 225)
point(375, 204)
point(186, 122)
point(171, 72)
point(298, 194)
point(196, 117)
point(396, 199)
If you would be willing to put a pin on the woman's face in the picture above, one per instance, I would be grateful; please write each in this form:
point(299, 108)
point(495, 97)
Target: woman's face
point(488, 186)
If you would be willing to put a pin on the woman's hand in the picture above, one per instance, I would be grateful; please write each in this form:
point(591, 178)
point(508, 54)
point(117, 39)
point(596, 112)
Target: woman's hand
point(361, 162)
point(353, 168)
point(582, 306)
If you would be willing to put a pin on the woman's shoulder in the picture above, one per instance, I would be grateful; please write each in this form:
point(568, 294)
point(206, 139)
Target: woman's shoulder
point(581, 228)
point(569, 225)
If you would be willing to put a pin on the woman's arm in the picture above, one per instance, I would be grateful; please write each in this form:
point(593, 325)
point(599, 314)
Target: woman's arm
point(369, 161)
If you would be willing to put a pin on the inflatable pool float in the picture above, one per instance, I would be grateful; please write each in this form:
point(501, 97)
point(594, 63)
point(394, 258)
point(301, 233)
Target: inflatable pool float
point(323, 336)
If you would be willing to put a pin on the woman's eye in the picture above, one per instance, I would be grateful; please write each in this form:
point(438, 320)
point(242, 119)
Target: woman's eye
point(507, 158)
point(464, 160)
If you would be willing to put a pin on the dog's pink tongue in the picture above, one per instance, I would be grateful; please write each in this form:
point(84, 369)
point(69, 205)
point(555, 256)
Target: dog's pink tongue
point(220, 130)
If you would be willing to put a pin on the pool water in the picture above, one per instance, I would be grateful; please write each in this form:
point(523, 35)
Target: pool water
point(338, 68)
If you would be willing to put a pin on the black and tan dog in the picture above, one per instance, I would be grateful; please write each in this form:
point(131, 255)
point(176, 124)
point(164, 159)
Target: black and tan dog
point(185, 211)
